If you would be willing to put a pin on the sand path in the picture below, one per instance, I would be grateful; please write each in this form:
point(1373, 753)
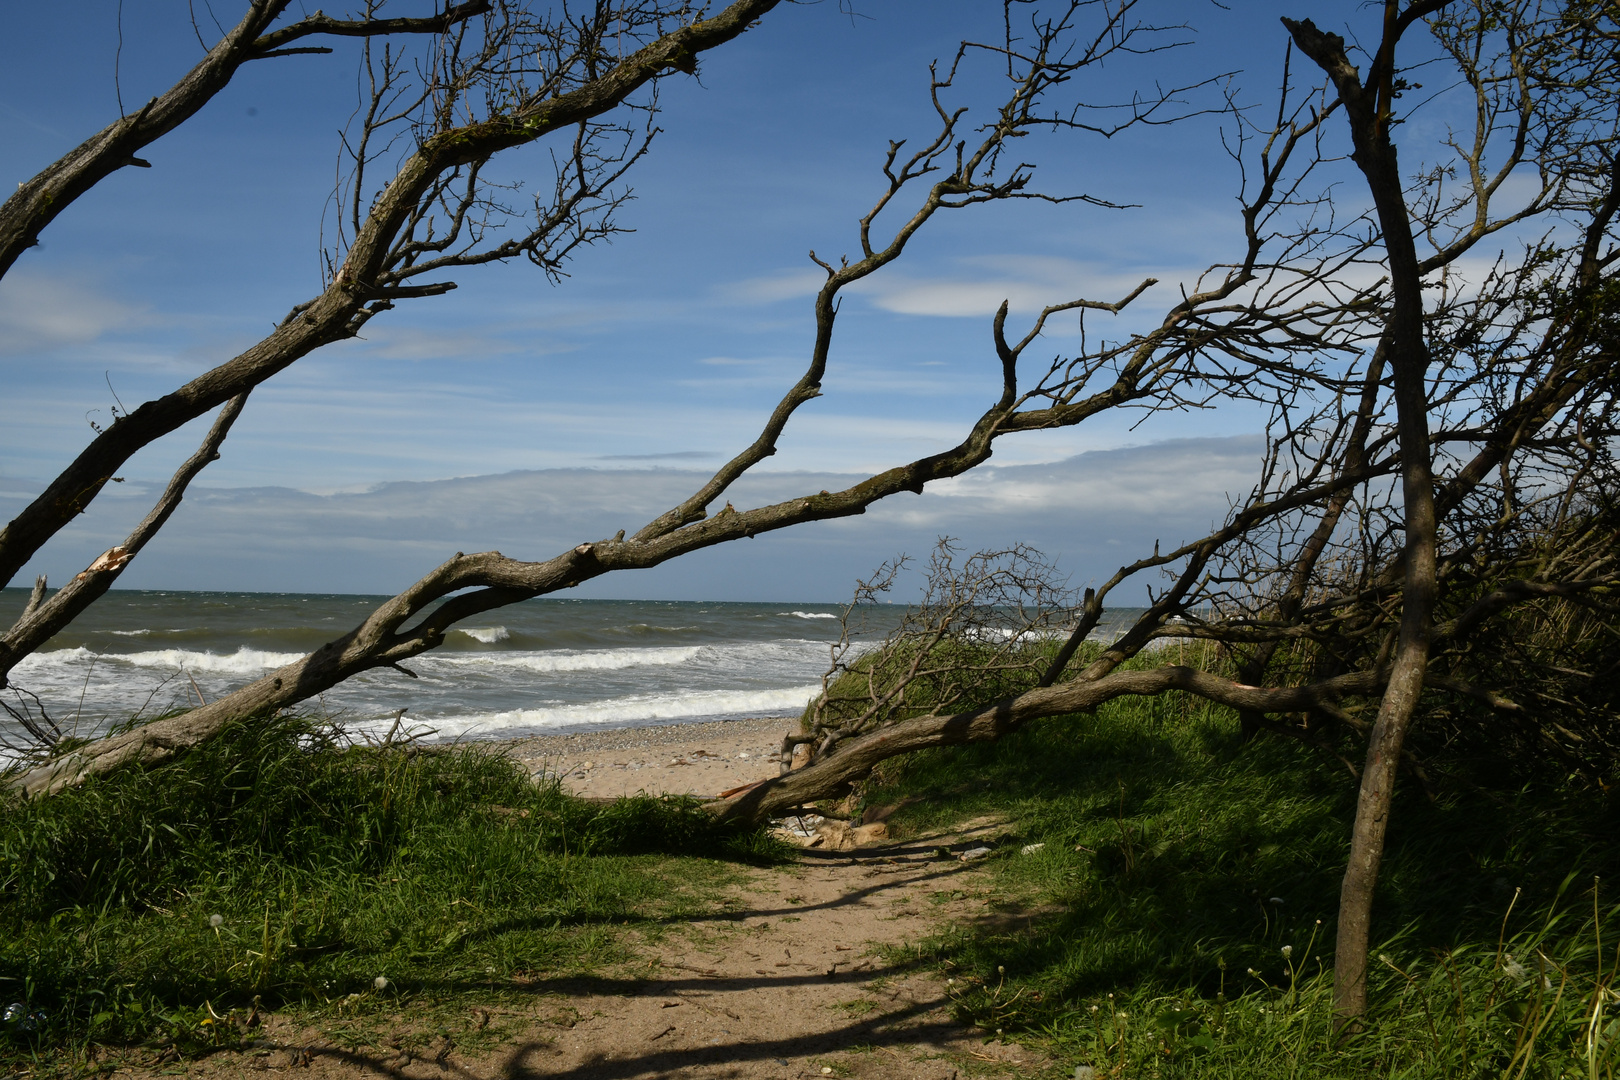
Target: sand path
point(785, 980)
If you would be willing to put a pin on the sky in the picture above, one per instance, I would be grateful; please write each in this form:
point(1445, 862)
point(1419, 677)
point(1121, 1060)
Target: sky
point(523, 415)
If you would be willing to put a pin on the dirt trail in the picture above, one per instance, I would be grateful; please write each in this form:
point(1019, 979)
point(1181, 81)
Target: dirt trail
point(785, 983)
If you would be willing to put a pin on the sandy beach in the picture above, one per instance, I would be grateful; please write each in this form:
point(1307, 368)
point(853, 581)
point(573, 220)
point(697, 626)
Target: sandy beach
point(673, 759)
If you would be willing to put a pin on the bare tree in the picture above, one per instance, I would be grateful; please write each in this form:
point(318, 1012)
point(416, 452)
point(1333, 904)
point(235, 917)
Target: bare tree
point(1437, 454)
point(1440, 447)
point(492, 79)
point(37, 202)
point(436, 214)
point(974, 634)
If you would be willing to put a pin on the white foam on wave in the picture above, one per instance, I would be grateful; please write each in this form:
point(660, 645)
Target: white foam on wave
point(489, 635)
point(243, 661)
point(130, 633)
point(808, 614)
point(1001, 634)
point(53, 660)
point(573, 660)
point(633, 709)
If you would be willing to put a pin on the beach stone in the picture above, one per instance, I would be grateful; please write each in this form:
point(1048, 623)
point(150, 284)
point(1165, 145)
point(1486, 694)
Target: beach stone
point(870, 834)
point(835, 835)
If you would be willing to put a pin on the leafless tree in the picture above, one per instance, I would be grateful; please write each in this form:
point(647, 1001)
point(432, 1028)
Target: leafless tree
point(975, 634)
point(1438, 451)
point(488, 78)
point(435, 213)
point(37, 202)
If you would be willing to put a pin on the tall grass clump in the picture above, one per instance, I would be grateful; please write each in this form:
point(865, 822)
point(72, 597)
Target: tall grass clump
point(1539, 1003)
point(1176, 917)
point(274, 864)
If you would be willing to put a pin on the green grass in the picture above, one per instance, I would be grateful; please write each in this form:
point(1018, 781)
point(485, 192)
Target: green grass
point(443, 873)
point(1147, 936)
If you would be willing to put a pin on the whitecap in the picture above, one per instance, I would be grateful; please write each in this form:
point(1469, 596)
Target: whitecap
point(640, 708)
point(54, 660)
point(243, 661)
point(489, 635)
point(574, 660)
point(808, 614)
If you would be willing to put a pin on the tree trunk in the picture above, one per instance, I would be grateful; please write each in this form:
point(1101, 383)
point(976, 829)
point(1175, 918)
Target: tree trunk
point(1368, 109)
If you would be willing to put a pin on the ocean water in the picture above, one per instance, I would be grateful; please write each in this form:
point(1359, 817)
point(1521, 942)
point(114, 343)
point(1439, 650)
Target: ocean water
point(545, 665)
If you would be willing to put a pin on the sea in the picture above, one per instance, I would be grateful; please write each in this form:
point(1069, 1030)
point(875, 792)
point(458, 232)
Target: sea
point(548, 665)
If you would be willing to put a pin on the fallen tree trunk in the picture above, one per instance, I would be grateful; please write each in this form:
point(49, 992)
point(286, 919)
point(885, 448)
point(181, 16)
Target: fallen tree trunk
point(833, 775)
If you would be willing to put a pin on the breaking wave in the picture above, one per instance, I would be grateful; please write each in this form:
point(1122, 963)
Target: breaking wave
point(572, 660)
point(244, 661)
point(631, 710)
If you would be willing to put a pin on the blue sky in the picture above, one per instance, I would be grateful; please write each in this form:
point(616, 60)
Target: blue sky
point(660, 354)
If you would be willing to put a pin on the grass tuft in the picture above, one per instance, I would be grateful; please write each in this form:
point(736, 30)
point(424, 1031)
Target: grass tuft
point(273, 867)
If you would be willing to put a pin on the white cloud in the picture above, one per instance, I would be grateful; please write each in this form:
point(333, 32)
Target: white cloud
point(39, 312)
point(417, 343)
point(772, 288)
point(1027, 283)
point(1090, 511)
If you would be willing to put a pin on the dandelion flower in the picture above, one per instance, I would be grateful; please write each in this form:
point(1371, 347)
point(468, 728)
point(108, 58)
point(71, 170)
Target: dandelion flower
point(1253, 972)
point(1000, 970)
point(380, 982)
point(216, 921)
point(1287, 951)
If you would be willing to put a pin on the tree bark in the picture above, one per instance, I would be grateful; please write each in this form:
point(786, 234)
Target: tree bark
point(43, 618)
point(38, 201)
point(1368, 111)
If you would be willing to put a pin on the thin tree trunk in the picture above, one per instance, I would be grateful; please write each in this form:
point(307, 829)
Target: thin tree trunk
point(43, 618)
point(1368, 109)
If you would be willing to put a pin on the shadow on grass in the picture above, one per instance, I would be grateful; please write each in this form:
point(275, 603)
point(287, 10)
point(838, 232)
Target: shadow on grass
point(1179, 859)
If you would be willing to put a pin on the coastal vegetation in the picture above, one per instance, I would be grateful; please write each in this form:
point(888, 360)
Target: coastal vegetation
point(1166, 892)
point(1405, 629)
point(278, 868)
point(1159, 901)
